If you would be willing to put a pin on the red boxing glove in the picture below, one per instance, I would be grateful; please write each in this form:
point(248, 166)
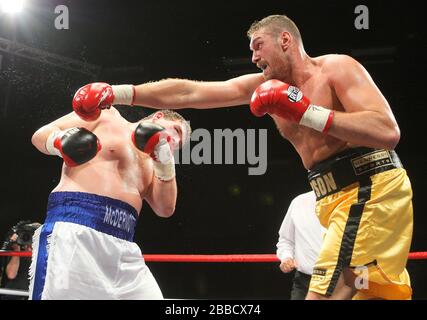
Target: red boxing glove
point(288, 102)
point(90, 99)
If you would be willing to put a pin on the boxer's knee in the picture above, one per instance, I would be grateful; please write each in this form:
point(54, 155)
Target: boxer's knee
point(342, 291)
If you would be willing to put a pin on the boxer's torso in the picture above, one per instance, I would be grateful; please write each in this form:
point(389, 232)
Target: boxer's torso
point(313, 146)
point(119, 170)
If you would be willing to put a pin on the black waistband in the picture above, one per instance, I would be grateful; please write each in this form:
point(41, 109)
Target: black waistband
point(348, 167)
point(299, 274)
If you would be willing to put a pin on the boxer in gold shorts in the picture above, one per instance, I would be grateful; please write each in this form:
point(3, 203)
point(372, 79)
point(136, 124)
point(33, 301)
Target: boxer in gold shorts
point(364, 199)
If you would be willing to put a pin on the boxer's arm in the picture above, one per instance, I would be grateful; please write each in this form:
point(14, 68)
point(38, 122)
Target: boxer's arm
point(161, 196)
point(368, 119)
point(70, 120)
point(181, 93)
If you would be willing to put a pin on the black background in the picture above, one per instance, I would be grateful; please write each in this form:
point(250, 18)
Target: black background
point(220, 208)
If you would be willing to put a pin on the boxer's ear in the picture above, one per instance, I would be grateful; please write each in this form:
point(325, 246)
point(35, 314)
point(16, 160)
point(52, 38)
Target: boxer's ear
point(285, 40)
point(158, 115)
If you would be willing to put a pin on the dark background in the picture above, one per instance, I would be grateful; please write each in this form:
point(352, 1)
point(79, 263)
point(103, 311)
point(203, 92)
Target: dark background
point(220, 208)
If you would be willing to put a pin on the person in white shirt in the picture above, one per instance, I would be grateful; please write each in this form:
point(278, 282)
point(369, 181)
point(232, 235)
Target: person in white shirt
point(300, 239)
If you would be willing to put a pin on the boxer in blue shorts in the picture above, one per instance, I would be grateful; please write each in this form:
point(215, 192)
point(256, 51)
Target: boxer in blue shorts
point(85, 248)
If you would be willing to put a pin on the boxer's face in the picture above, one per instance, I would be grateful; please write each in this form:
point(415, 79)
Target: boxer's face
point(174, 128)
point(268, 54)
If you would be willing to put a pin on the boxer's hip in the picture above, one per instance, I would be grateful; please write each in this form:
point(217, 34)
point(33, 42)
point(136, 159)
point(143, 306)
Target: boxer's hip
point(104, 214)
point(351, 166)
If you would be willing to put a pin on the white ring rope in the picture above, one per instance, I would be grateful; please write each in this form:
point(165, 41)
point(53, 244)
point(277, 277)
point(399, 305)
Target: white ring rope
point(11, 292)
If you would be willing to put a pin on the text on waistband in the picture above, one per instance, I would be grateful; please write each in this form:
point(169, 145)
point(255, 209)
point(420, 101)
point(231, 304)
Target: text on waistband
point(119, 219)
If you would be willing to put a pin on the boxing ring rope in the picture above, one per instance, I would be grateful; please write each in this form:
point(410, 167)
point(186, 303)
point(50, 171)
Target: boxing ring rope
point(10, 292)
point(422, 255)
point(210, 258)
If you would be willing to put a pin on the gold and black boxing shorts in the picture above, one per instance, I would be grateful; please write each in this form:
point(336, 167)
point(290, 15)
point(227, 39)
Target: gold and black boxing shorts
point(364, 199)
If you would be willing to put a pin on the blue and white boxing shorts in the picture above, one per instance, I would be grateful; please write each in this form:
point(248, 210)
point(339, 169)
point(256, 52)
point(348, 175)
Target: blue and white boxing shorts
point(85, 250)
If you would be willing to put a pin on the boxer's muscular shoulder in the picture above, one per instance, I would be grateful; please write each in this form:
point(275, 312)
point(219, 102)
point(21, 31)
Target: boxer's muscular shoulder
point(338, 67)
point(329, 61)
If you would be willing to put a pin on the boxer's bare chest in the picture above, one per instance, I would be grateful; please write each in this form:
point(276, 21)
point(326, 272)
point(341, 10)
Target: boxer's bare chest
point(313, 146)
